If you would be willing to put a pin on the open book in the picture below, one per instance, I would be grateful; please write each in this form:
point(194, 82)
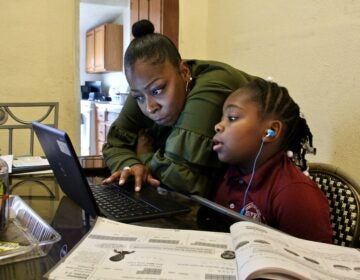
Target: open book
point(113, 250)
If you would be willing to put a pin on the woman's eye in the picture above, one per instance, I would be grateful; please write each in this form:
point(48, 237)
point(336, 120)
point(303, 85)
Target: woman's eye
point(139, 98)
point(156, 91)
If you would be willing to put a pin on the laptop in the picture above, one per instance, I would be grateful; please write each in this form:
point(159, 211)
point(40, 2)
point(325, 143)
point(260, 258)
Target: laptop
point(119, 203)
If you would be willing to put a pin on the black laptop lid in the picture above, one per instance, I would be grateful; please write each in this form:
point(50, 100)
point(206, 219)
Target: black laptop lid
point(63, 160)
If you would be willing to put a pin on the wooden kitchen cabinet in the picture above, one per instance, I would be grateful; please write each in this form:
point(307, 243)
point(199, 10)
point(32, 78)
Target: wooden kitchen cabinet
point(104, 48)
point(106, 114)
point(164, 14)
point(90, 44)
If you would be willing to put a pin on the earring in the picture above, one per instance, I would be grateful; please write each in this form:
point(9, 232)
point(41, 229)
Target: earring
point(188, 83)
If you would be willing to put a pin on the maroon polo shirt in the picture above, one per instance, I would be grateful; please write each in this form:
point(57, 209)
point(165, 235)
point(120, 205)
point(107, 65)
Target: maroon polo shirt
point(280, 196)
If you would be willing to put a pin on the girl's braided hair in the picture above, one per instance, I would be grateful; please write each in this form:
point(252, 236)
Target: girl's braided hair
point(274, 100)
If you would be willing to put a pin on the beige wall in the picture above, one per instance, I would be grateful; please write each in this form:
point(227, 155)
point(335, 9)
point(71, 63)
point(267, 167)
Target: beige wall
point(311, 47)
point(193, 29)
point(38, 57)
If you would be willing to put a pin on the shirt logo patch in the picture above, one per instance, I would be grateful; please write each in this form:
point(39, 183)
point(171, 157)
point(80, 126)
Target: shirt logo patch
point(251, 210)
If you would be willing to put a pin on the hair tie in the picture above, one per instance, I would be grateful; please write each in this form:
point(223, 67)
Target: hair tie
point(306, 172)
point(290, 153)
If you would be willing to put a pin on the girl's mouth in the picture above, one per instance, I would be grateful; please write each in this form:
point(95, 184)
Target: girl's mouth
point(217, 146)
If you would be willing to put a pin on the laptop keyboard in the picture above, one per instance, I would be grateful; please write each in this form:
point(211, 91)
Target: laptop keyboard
point(115, 201)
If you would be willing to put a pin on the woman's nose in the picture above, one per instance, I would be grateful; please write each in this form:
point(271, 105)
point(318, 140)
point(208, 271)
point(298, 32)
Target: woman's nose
point(151, 106)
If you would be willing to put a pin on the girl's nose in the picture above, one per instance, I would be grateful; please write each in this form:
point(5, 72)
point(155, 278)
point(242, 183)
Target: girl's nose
point(217, 128)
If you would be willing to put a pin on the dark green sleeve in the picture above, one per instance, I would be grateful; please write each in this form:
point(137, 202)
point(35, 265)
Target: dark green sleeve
point(119, 151)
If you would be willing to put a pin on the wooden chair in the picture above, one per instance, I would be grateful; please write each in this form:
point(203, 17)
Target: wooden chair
point(343, 194)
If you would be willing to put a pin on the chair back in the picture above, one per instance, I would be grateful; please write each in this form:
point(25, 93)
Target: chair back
point(343, 194)
point(15, 125)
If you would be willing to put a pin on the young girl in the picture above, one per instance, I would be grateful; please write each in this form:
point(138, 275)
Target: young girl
point(261, 135)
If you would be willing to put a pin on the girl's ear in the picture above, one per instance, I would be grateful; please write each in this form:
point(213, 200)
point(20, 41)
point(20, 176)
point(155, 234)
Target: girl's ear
point(276, 128)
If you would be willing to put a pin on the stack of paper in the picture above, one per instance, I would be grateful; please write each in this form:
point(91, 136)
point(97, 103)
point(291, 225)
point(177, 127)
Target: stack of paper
point(29, 161)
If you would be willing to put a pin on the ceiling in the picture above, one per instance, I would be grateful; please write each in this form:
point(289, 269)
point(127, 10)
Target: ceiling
point(94, 13)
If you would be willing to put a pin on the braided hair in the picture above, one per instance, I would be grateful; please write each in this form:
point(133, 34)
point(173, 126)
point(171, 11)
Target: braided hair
point(150, 46)
point(274, 100)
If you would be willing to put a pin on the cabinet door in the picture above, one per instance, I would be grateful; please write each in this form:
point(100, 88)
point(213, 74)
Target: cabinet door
point(164, 14)
point(155, 14)
point(99, 51)
point(113, 53)
point(90, 44)
point(170, 20)
point(143, 9)
point(105, 116)
point(104, 48)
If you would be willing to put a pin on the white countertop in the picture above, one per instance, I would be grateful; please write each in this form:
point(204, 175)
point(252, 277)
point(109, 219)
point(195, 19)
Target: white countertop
point(109, 106)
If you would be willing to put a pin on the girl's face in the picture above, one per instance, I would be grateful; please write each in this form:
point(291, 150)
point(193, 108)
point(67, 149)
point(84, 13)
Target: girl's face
point(239, 134)
point(160, 90)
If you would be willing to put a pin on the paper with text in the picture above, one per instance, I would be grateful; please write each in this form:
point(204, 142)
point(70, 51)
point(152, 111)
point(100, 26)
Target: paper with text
point(120, 251)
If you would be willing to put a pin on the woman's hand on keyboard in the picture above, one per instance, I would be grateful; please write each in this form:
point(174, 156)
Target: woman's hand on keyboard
point(139, 172)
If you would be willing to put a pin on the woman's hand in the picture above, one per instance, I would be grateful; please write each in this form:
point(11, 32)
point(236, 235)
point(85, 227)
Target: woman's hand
point(140, 173)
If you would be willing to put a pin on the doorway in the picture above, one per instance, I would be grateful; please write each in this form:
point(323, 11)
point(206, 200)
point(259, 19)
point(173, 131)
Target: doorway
point(93, 13)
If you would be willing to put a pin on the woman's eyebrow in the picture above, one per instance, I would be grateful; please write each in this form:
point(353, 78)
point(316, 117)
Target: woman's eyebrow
point(148, 85)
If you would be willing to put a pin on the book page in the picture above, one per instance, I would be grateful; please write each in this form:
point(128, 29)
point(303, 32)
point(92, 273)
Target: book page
point(265, 252)
point(116, 250)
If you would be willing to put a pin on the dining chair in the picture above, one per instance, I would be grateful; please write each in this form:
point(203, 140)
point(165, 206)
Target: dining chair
point(343, 194)
point(16, 119)
point(19, 140)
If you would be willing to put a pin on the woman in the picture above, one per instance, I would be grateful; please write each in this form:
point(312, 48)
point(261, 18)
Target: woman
point(177, 103)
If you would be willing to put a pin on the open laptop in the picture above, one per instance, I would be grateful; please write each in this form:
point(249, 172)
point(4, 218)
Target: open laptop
point(119, 203)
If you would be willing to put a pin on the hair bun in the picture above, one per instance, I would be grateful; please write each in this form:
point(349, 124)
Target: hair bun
point(142, 27)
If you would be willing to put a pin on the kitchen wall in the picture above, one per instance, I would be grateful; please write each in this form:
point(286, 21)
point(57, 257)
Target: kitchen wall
point(311, 47)
point(39, 56)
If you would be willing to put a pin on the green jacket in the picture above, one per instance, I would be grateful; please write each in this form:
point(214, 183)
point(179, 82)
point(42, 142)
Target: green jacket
point(183, 157)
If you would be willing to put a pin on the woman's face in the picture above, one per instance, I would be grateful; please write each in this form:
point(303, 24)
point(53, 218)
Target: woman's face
point(239, 134)
point(160, 90)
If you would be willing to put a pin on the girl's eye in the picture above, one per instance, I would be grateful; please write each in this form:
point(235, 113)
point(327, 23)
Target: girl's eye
point(232, 118)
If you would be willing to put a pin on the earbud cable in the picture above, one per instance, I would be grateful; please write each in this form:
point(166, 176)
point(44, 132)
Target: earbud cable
point(252, 176)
